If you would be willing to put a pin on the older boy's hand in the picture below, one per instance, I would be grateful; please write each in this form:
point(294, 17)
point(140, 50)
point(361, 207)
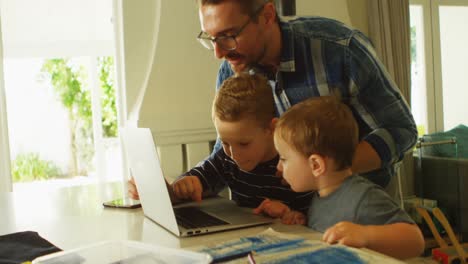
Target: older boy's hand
point(346, 233)
point(188, 187)
point(272, 208)
point(293, 218)
point(132, 189)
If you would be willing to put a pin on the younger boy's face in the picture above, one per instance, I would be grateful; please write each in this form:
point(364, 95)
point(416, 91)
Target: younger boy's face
point(246, 142)
point(295, 167)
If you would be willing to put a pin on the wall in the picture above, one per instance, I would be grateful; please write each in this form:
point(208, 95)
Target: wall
point(336, 9)
point(358, 15)
point(351, 12)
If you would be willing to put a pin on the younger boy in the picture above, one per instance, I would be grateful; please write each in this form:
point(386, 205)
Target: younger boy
point(244, 116)
point(316, 141)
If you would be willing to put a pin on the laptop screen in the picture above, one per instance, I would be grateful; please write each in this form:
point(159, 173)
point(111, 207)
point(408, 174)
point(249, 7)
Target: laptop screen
point(145, 167)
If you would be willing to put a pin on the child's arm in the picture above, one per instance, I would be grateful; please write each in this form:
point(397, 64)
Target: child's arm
point(293, 218)
point(277, 209)
point(399, 240)
point(205, 179)
point(188, 187)
point(133, 191)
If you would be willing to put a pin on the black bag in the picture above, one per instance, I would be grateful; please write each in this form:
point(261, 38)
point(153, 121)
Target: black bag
point(24, 246)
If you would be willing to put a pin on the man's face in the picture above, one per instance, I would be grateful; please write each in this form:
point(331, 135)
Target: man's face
point(225, 19)
point(295, 167)
point(246, 142)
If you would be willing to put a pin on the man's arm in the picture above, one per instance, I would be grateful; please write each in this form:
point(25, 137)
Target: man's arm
point(384, 117)
point(365, 159)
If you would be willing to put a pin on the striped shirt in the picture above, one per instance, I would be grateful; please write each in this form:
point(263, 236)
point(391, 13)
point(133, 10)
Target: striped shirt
point(248, 189)
point(319, 55)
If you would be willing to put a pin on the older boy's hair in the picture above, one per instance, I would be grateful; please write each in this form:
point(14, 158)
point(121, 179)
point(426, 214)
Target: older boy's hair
point(321, 125)
point(249, 7)
point(244, 96)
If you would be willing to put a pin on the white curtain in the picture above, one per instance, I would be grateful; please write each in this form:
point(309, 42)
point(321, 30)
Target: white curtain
point(5, 175)
point(389, 30)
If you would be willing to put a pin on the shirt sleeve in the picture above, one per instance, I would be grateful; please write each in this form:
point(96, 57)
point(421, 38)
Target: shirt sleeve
point(224, 72)
point(378, 103)
point(210, 172)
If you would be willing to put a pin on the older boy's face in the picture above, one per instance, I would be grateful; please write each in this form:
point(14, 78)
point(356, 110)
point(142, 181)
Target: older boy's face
point(246, 142)
point(295, 167)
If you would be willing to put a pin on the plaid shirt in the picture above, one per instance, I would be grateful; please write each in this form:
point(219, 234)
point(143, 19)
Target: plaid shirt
point(319, 55)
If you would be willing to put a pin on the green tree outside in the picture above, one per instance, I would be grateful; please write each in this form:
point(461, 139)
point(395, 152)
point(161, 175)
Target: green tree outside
point(68, 82)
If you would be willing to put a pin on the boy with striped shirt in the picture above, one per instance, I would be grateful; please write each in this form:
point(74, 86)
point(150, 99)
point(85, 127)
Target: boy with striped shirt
point(244, 116)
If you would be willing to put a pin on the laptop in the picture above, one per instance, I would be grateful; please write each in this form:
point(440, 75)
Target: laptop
point(188, 219)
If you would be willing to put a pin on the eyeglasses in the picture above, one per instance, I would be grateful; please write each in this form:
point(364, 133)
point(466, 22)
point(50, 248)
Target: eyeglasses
point(224, 42)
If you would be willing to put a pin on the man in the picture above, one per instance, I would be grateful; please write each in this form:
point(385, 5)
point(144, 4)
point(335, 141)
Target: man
point(314, 56)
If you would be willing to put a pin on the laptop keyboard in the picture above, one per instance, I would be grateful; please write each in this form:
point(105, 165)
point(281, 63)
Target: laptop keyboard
point(192, 217)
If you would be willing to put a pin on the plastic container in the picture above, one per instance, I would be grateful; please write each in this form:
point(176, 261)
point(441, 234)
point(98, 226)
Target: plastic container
point(123, 252)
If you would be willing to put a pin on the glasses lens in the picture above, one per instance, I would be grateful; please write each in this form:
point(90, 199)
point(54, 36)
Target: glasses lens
point(206, 43)
point(227, 43)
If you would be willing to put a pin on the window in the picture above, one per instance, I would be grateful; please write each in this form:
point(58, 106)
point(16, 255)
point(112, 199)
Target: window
point(439, 81)
point(60, 130)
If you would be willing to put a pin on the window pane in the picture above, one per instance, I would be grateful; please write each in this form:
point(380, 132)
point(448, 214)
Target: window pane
point(418, 69)
point(453, 23)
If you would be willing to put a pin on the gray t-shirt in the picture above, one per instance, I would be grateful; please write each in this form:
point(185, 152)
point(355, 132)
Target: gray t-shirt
point(357, 200)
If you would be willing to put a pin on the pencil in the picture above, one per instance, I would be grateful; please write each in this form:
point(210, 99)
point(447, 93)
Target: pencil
point(250, 258)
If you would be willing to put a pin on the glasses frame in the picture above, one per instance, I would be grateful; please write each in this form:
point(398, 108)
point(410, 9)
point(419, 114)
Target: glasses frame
point(232, 37)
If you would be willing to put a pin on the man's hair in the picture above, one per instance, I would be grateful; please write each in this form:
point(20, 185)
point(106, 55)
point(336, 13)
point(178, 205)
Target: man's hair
point(249, 7)
point(321, 125)
point(244, 96)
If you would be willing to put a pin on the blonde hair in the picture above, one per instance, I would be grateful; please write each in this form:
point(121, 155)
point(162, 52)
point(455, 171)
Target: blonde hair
point(321, 125)
point(244, 96)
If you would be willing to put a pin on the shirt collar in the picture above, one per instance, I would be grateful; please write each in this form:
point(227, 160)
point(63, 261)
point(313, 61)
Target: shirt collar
point(287, 63)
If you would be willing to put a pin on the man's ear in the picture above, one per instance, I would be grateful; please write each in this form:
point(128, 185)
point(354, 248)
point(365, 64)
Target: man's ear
point(317, 165)
point(269, 13)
